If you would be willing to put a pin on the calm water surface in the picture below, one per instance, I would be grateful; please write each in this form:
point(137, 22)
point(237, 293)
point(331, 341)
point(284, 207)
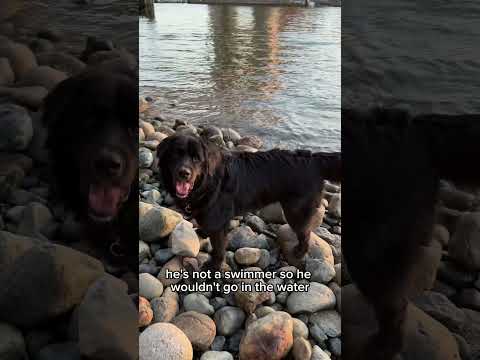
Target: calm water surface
point(115, 20)
point(423, 56)
point(268, 71)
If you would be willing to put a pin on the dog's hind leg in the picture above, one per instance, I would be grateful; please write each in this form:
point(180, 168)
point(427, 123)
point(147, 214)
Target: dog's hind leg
point(390, 311)
point(302, 217)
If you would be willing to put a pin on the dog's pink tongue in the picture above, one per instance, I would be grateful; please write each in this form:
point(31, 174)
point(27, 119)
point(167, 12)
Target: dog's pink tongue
point(182, 188)
point(104, 200)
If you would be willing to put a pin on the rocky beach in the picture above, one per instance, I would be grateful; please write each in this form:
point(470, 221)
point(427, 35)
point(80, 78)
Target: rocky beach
point(213, 325)
point(443, 316)
point(57, 300)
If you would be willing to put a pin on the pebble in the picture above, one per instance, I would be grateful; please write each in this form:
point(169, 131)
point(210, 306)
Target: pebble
point(145, 157)
point(228, 320)
point(327, 324)
point(247, 256)
point(21, 58)
point(44, 76)
point(199, 303)
point(271, 334)
point(464, 246)
point(173, 265)
point(442, 309)
point(454, 275)
point(199, 328)
point(243, 236)
point(319, 354)
point(216, 355)
point(6, 73)
point(335, 346)
point(322, 271)
point(157, 223)
point(255, 223)
point(299, 329)
point(301, 349)
point(145, 312)
point(469, 298)
point(230, 134)
point(61, 61)
point(143, 250)
point(150, 286)
point(36, 218)
point(165, 308)
point(165, 339)
point(12, 343)
point(184, 240)
point(163, 255)
point(17, 128)
point(318, 297)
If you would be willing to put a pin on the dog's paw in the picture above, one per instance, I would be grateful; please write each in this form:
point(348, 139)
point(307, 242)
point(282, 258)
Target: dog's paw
point(379, 348)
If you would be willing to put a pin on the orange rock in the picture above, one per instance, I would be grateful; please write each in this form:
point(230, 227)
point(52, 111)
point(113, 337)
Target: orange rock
point(145, 312)
point(268, 338)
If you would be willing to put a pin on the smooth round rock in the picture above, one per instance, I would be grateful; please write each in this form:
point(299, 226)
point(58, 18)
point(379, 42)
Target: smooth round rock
point(216, 355)
point(318, 297)
point(199, 328)
point(199, 303)
point(164, 341)
point(270, 337)
point(17, 128)
point(228, 320)
point(150, 286)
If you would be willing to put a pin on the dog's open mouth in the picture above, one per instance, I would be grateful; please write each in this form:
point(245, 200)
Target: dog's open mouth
point(104, 201)
point(183, 188)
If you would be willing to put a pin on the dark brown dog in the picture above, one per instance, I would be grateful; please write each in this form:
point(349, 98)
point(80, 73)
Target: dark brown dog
point(218, 185)
point(92, 122)
point(392, 167)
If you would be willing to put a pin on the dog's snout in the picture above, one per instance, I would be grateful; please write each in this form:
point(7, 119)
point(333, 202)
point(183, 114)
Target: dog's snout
point(184, 173)
point(109, 163)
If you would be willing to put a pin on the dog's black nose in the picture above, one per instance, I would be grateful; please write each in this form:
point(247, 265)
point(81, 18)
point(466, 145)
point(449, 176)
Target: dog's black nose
point(109, 163)
point(184, 173)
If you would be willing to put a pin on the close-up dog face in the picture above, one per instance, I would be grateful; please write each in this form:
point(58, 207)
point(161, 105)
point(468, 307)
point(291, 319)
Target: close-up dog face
point(107, 163)
point(182, 161)
point(93, 127)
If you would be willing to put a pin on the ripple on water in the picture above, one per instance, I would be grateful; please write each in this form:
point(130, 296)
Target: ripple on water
point(269, 71)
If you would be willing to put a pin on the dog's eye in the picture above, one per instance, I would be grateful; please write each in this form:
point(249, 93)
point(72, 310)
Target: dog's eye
point(196, 158)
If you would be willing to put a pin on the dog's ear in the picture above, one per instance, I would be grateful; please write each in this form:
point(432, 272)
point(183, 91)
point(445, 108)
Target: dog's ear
point(161, 151)
point(212, 157)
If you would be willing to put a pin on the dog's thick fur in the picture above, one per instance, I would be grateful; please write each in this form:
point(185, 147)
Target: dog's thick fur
point(227, 184)
point(92, 122)
point(392, 167)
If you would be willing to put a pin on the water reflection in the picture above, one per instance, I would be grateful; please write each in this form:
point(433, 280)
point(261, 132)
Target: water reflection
point(272, 71)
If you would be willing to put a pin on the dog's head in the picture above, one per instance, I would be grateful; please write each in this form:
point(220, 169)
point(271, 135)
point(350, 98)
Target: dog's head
point(183, 162)
point(92, 121)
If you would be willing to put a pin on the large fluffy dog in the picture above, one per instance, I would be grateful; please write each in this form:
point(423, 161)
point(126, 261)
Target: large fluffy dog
point(392, 167)
point(218, 185)
point(92, 121)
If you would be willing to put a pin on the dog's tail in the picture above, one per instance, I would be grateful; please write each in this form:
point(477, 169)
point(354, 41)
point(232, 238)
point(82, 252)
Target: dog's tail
point(454, 142)
point(330, 165)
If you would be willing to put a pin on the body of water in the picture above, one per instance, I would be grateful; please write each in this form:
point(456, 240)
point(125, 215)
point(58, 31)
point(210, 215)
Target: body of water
point(115, 20)
point(262, 70)
point(422, 56)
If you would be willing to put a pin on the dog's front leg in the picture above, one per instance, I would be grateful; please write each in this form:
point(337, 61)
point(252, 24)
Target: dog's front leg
point(219, 244)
